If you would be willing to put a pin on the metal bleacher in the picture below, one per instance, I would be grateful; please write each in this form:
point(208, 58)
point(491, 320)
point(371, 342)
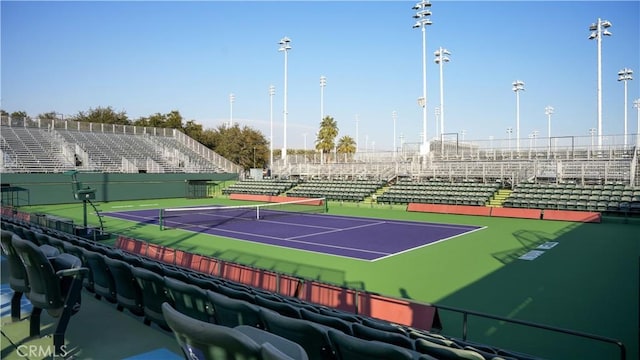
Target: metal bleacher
point(57, 146)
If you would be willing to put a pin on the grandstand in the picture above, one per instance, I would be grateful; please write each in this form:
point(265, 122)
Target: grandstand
point(395, 309)
point(57, 146)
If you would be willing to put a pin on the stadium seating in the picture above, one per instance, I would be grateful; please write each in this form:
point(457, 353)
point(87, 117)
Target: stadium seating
point(438, 192)
point(349, 336)
point(18, 280)
point(154, 294)
point(127, 290)
point(352, 348)
point(204, 340)
point(314, 338)
point(233, 312)
point(339, 190)
point(55, 285)
point(189, 299)
point(43, 150)
point(609, 197)
point(259, 187)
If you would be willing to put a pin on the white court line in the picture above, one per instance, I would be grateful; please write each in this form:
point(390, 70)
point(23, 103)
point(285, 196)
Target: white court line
point(337, 230)
point(186, 226)
point(281, 239)
point(427, 244)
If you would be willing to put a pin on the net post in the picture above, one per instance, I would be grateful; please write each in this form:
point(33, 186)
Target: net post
point(161, 219)
point(257, 212)
point(326, 205)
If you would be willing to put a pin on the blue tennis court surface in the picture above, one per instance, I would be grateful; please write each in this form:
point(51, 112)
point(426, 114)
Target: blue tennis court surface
point(353, 237)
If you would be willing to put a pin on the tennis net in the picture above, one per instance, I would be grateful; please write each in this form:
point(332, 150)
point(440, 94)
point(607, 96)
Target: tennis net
point(211, 216)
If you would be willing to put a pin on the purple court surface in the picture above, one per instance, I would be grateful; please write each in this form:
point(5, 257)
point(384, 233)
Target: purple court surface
point(352, 237)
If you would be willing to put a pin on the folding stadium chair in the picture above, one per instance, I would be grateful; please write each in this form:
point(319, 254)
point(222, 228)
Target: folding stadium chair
point(128, 292)
point(369, 333)
point(18, 280)
point(189, 299)
point(330, 321)
point(203, 340)
point(154, 294)
point(233, 312)
point(352, 348)
point(55, 285)
point(314, 338)
point(446, 352)
point(104, 285)
point(280, 307)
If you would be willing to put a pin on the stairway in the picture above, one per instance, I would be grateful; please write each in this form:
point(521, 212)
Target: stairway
point(499, 198)
point(380, 191)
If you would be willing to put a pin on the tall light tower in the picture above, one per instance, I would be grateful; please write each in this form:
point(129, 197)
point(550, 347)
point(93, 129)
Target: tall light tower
point(394, 116)
point(422, 15)
point(597, 31)
point(357, 140)
point(441, 58)
point(548, 110)
point(323, 83)
point(636, 104)
point(272, 91)
point(285, 47)
point(517, 87)
point(232, 98)
point(625, 75)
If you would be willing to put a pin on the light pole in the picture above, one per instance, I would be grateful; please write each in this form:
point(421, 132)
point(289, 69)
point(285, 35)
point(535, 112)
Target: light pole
point(272, 91)
point(436, 112)
point(394, 116)
point(422, 102)
point(232, 98)
point(357, 140)
point(548, 110)
point(323, 83)
point(597, 31)
point(285, 47)
point(592, 132)
point(636, 104)
point(422, 15)
point(441, 58)
point(625, 75)
point(517, 87)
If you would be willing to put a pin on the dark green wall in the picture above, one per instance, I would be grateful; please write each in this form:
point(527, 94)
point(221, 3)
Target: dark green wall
point(41, 189)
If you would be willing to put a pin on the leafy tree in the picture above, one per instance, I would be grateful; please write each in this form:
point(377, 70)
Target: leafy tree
point(19, 116)
point(102, 115)
point(347, 145)
point(51, 115)
point(327, 134)
point(246, 147)
point(194, 130)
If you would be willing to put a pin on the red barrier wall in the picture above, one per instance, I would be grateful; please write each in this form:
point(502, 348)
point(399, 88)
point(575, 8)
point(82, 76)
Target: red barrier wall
point(517, 213)
point(450, 209)
point(328, 295)
point(268, 198)
point(568, 215)
point(403, 312)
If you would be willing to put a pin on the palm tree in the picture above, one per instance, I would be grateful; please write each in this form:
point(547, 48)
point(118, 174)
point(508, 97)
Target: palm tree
point(327, 134)
point(347, 145)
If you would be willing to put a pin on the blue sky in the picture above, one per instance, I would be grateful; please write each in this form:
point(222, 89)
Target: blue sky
point(146, 57)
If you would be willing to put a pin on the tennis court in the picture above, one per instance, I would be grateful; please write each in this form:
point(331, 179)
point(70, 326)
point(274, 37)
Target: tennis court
point(352, 237)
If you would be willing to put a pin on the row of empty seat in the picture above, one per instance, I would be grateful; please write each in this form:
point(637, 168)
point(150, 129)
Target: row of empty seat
point(142, 286)
point(617, 198)
point(259, 187)
point(433, 192)
point(27, 149)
